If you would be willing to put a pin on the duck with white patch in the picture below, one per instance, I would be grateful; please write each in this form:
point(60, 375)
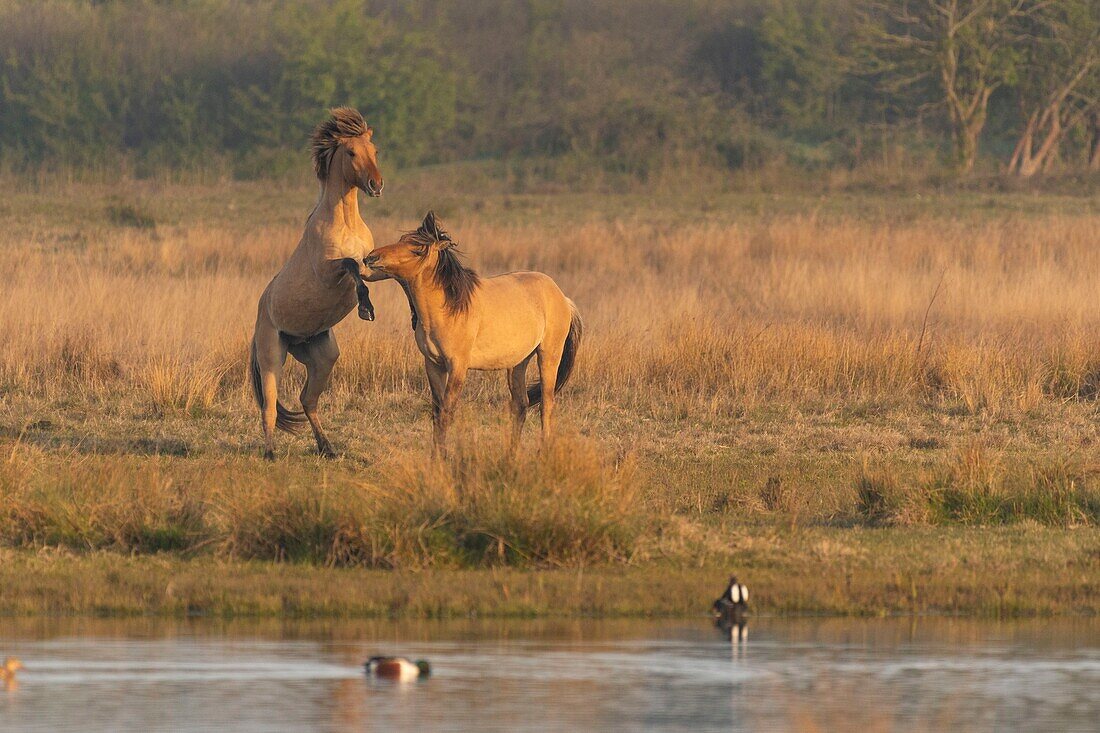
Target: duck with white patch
point(733, 603)
point(397, 668)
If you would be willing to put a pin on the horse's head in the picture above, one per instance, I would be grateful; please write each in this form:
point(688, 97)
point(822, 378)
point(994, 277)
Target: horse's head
point(411, 254)
point(342, 149)
point(428, 249)
point(361, 164)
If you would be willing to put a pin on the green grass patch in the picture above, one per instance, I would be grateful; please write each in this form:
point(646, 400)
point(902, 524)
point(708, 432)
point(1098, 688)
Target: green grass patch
point(1003, 572)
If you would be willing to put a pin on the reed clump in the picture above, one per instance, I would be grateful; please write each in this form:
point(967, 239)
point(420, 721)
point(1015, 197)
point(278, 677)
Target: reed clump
point(979, 485)
point(569, 504)
point(124, 504)
point(878, 496)
point(977, 488)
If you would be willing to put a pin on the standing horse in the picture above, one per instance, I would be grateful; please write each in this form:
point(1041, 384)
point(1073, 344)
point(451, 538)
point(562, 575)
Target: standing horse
point(321, 282)
point(465, 322)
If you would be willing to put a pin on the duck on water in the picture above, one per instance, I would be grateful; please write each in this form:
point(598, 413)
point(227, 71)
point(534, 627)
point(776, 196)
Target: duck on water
point(397, 668)
point(729, 611)
point(733, 603)
point(7, 672)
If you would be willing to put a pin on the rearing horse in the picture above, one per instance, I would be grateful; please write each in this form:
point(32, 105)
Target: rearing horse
point(321, 282)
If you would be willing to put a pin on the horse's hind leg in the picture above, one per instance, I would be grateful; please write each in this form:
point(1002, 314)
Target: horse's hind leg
point(517, 386)
point(319, 355)
point(548, 359)
point(268, 357)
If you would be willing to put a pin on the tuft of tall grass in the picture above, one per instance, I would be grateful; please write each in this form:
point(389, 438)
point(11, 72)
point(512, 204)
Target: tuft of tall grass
point(777, 496)
point(979, 485)
point(566, 505)
point(189, 389)
point(294, 519)
point(125, 504)
point(1057, 492)
point(971, 487)
point(977, 488)
point(129, 215)
point(878, 495)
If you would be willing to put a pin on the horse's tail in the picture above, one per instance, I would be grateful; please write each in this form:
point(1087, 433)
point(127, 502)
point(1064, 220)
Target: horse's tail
point(288, 420)
point(568, 357)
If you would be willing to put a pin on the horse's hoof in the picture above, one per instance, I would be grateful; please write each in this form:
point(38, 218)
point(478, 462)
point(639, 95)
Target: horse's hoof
point(366, 315)
point(326, 451)
point(269, 455)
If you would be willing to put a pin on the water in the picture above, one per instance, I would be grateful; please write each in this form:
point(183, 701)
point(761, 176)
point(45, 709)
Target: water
point(833, 674)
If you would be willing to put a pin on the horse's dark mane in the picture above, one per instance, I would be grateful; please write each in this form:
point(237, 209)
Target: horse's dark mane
point(457, 280)
point(345, 122)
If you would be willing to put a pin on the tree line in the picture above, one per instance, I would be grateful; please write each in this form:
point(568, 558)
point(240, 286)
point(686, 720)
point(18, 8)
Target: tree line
point(628, 87)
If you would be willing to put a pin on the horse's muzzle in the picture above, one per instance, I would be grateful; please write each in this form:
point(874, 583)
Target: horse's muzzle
point(372, 190)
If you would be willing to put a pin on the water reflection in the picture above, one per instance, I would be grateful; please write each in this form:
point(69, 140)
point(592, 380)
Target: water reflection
point(802, 674)
point(737, 632)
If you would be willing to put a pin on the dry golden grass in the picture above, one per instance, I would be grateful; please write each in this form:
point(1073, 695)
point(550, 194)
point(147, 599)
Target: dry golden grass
point(701, 318)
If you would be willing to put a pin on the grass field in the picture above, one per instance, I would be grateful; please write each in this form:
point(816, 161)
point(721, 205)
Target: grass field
point(870, 402)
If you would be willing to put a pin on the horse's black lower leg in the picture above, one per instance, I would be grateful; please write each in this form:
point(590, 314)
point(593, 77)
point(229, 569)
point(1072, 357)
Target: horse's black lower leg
point(366, 308)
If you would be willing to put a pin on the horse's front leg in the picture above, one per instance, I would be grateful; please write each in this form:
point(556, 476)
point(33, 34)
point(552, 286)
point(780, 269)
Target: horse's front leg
point(456, 378)
point(437, 382)
point(353, 268)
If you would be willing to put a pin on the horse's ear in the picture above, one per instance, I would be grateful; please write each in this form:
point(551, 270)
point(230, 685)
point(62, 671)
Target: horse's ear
point(430, 226)
point(370, 132)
